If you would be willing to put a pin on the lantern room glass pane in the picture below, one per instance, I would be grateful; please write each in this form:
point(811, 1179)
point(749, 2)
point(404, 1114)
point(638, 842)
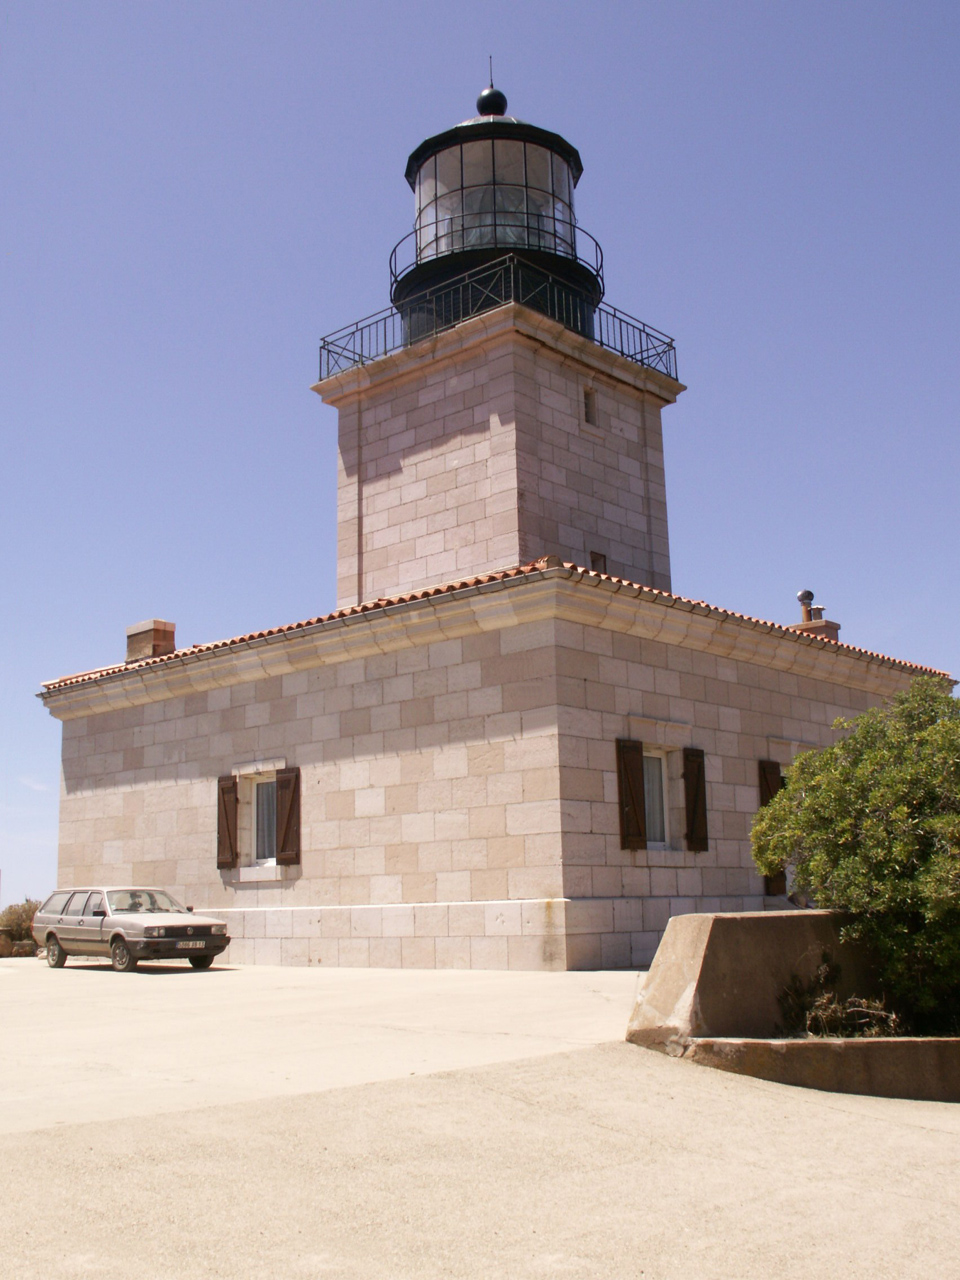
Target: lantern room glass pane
point(478, 163)
point(449, 206)
point(510, 199)
point(427, 232)
point(448, 170)
point(540, 219)
point(508, 162)
point(478, 217)
point(511, 216)
point(538, 168)
point(561, 180)
point(450, 222)
point(427, 183)
point(564, 224)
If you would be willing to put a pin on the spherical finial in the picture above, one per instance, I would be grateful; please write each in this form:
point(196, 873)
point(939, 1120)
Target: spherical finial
point(492, 103)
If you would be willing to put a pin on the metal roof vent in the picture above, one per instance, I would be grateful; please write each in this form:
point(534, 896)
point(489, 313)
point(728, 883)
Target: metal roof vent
point(812, 622)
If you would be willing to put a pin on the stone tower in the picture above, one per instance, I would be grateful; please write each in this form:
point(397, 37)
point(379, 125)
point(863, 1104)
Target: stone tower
point(497, 413)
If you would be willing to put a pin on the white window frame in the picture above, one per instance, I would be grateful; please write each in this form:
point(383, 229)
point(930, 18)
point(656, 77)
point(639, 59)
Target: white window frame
point(249, 776)
point(658, 753)
point(260, 780)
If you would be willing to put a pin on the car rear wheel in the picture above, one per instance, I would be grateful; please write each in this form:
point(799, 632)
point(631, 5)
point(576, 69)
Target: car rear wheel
point(201, 962)
point(124, 961)
point(56, 956)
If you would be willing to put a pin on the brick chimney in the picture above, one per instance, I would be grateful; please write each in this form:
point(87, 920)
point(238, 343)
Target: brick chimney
point(813, 622)
point(150, 639)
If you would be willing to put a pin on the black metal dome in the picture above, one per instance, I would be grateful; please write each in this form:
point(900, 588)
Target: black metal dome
point(492, 103)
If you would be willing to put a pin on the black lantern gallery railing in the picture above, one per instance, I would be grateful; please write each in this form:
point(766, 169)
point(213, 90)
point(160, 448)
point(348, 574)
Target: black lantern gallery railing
point(508, 279)
point(501, 229)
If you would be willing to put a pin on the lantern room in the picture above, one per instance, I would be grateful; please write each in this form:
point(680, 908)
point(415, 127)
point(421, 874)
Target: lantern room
point(490, 187)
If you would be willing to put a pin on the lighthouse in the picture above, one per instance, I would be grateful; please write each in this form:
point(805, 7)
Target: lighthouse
point(499, 410)
point(510, 745)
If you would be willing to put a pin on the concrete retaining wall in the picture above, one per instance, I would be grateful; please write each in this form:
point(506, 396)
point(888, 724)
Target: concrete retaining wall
point(927, 1069)
point(711, 998)
point(720, 974)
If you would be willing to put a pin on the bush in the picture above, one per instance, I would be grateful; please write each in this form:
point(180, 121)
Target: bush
point(814, 1009)
point(17, 918)
point(871, 827)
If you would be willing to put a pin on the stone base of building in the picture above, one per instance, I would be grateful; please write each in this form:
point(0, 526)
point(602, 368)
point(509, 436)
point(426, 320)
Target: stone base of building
point(532, 933)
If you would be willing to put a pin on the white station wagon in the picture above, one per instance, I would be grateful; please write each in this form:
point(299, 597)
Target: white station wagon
point(129, 925)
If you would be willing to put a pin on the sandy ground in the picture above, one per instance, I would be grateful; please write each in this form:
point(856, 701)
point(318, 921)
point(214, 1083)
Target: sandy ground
point(350, 1123)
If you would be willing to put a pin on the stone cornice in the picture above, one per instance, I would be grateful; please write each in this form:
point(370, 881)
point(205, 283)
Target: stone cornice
point(481, 333)
point(561, 593)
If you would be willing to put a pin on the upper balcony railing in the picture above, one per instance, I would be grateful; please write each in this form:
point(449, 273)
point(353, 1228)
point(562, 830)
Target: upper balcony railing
point(508, 279)
point(498, 229)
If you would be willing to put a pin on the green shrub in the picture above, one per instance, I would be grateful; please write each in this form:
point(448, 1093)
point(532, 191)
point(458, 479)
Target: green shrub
point(18, 918)
point(871, 827)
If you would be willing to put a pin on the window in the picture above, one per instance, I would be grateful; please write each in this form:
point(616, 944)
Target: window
point(771, 780)
point(55, 903)
point(590, 407)
point(497, 192)
point(265, 821)
point(258, 819)
point(598, 562)
point(695, 797)
point(643, 810)
point(653, 772)
point(75, 905)
point(126, 900)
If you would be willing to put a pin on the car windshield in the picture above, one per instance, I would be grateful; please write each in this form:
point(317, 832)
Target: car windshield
point(124, 900)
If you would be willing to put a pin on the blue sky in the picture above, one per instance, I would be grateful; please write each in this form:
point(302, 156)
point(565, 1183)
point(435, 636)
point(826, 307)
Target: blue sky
point(192, 194)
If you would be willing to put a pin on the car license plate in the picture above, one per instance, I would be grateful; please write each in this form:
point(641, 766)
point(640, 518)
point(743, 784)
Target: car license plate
point(190, 946)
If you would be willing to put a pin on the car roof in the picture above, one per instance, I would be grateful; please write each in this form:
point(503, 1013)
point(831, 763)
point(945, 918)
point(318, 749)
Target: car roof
point(110, 888)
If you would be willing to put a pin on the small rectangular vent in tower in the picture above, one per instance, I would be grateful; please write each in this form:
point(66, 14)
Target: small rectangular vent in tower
point(590, 407)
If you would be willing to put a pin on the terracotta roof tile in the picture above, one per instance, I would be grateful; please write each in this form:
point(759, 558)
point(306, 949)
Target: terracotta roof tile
point(536, 568)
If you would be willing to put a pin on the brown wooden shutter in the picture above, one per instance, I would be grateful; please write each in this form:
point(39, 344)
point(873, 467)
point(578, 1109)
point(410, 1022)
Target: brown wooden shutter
point(288, 817)
point(695, 792)
point(227, 822)
point(771, 780)
point(633, 812)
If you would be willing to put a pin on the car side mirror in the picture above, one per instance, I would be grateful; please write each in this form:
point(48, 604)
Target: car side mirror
point(189, 908)
point(98, 914)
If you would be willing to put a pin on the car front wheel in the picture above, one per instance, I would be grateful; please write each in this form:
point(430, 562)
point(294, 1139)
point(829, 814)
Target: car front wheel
point(124, 961)
point(201, 962)
point(56, 956)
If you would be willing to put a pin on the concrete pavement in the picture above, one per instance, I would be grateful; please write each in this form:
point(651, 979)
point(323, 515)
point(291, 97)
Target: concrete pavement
point(508, 1159)
point(81, 1043)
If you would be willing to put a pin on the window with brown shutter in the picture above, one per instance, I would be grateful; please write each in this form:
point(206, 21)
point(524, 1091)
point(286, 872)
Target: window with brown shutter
point(695, 794)
point(227, 822)
point(771, 781)
point(288, 817)
point(633, 815)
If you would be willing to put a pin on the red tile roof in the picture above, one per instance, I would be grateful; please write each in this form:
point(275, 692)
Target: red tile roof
point(548, 565)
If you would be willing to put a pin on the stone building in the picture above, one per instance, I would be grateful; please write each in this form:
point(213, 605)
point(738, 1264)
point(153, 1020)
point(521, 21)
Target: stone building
point(511, 745)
